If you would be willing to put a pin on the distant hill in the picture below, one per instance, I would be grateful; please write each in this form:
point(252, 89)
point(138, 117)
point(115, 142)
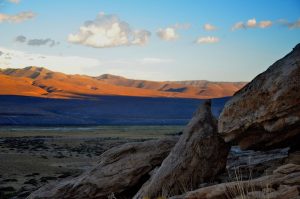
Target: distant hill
point(198, 88)
point(39, 81)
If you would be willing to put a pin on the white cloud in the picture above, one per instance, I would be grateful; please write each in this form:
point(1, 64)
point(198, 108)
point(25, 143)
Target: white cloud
point(154, 60)
point(170, 33)
point(209, 27)
point(207, 40)
point(252, 23)
point(17, 18)
point(19, 59)
point(265, 24)
point(14, 1)
point(108, 31)
point(141, 37)
point(167, 34)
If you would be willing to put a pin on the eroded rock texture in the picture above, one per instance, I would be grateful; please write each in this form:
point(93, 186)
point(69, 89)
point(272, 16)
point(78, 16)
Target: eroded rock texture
point(266, 112)
point(199, 155)
point(120, 172)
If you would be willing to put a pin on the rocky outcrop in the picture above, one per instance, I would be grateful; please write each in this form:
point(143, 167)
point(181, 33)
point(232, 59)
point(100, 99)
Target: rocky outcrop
point(266, 112)
point(282, 183)
point(245, 159)
point(250, 164)
point(199, 155)
point(120, 171)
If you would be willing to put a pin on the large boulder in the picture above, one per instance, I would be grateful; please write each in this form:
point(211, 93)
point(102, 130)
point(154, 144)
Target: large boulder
point(282, 183)
point(266, 112)
point(120, 172)
point(199, 155)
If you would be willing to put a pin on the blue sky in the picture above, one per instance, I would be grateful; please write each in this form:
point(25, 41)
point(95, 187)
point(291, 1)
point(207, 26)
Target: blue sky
point(155, 40)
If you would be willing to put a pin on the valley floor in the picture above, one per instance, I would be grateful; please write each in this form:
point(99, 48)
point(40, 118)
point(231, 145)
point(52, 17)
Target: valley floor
point(34, 156)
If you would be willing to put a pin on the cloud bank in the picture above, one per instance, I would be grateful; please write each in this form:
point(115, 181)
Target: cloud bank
point(36, 42)
point(19, 59)
point(209, 27)
point(170, 33)
point(265, 24)
point(108, 31)
point(17, 18)
point(207, 40)
point(251, 23)
point(167, 34)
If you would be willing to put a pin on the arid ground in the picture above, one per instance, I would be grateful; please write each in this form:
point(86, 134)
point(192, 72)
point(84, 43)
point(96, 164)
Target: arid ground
point(33, 156)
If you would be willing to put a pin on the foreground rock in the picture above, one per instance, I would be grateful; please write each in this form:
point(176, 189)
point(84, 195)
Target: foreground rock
point(199, 155)
point(120, 171)
point(266, 112)
point(283, 183)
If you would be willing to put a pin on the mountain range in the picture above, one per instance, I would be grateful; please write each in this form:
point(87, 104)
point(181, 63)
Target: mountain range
point(41, 82)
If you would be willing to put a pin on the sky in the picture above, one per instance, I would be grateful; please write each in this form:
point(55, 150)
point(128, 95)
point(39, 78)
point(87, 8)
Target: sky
point(230, 40)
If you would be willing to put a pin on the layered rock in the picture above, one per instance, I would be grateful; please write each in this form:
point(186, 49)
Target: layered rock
point(120, 172)
point(199, 155)
point(266, 112)
point(282, 183)
point(245, 159)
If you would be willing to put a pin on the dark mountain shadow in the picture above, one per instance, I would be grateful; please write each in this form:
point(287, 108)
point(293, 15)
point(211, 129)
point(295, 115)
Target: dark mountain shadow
point(100, 110)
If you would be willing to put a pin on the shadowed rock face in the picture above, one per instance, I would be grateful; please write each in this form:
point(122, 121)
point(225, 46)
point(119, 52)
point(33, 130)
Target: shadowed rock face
point(120, 171)
point(199, 155)
point(266, 112)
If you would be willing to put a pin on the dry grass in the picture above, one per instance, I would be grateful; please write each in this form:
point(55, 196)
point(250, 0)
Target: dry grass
point(245, 188)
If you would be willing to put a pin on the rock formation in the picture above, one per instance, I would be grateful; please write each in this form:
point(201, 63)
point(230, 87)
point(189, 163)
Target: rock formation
point(120, 171)
point(199, 155)
point(239, 159)
point(282, 183)
point(266, 112)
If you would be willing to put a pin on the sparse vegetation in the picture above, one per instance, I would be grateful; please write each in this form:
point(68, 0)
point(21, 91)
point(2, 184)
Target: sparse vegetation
point(241, 188)
point(35, 156)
